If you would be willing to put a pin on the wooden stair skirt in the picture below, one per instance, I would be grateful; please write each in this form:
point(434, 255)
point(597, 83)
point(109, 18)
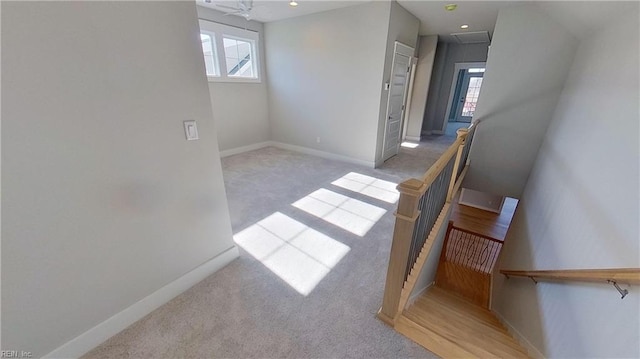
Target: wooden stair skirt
point(453, 327)
point(474, 286)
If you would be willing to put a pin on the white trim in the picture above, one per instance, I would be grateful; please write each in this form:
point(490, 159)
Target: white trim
point(243, 149)
point(218, 31)
point(403, 49)
point(405, 119)
point(301, 149)
point(459, 66)
point(411, 138)
point(413, 297)
point(105, 330)
point(323, 154)
point(532, 350)
point(407, 51)
point(462, 201)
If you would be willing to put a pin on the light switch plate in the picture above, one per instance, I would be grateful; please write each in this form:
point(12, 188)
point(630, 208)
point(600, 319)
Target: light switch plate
point(191, 130)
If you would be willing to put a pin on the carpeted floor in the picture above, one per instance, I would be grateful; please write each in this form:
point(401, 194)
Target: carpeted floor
point(308, 282)
point(413, 162)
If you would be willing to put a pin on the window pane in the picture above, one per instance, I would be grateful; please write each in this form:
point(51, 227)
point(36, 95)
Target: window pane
point(469, 107)
point(476, 70)
point(209, 54)
point(238, 58)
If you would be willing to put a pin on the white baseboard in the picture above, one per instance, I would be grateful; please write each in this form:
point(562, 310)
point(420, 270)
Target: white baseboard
point(105, 330)
point(419, 293)
point(327, 155)
point(238, 150)
point(412, 138)
point(426, 133)
point(532, 350)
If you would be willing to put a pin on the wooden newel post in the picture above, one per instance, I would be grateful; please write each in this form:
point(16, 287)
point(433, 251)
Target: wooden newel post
point(462, 136)
point(406, 216)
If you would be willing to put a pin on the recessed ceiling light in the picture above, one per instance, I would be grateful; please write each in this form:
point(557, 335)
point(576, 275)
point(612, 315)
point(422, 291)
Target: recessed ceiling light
point(465, 26)
point(293, 3)
point(450, 7)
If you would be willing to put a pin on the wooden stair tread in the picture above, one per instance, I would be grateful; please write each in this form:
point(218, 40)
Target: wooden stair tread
point(478, 346)
point(501, 343)
point(430, 339)
point(452, 300)
point(460, 313)
point(459, 317)
point(451, 326)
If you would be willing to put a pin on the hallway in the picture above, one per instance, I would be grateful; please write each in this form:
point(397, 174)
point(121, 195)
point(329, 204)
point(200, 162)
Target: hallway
point(414, 159)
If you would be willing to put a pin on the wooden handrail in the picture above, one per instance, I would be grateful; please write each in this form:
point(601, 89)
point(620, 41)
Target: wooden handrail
point(433, 171)
point(618, 275)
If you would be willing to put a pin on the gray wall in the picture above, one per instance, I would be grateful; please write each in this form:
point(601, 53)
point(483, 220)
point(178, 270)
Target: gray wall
point(104, 201)
point(325, 75)
point(422, 79)
point(403, 27)
point(528, 63)
point(447, 55)
point(580, 208)
point(240, 110)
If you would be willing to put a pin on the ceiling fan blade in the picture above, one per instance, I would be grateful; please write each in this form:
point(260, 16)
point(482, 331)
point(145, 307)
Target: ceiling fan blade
point(245, 4)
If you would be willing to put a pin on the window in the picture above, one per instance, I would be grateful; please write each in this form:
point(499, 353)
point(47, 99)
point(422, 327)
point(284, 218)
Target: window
point(230, 54)
point(238, 56)
point(208, 49)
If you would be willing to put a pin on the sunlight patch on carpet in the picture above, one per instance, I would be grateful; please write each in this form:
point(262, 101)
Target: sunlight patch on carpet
point(345, 212)
point(409, 144)
point(299, 255)
point(369, 186)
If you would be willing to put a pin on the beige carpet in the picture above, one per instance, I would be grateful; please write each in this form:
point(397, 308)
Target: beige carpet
point(313, 294)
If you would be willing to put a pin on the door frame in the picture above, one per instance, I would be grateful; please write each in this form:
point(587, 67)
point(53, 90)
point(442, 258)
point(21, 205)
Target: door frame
point(456, 70)
point(408, 51)
point(412, 76)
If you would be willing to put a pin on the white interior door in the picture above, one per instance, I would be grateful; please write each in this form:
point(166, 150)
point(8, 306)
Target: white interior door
point(395, 107)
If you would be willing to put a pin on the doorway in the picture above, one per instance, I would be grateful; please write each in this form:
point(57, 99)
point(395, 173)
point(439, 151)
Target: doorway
point(400, 69)
point(465, 90)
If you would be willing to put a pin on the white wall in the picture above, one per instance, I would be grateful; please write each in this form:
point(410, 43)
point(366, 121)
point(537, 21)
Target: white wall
point(526, 68)
point(403, 27)
point(580, 208)
point(325, 75)
point(104, 201)
point(424, 67)
point(241, 110)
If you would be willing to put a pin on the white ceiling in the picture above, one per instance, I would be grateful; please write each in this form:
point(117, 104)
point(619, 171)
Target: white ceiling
point(436, 20)
point(479, 15)
point(580, 17)
point(274, 10)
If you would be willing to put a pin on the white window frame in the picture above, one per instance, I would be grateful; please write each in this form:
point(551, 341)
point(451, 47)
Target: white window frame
point(214, 46)
point(218, 31)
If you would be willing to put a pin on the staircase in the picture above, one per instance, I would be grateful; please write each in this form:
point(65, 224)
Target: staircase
point(451, 318)
point(452, 327)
